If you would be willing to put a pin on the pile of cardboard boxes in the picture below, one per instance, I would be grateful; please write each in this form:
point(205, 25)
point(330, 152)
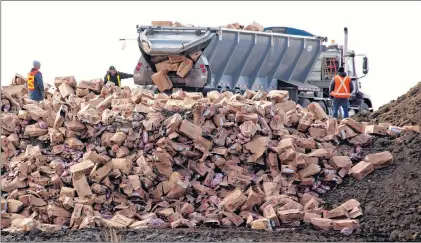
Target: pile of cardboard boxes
point(180, 65)
point(253, 26)
point(92, 156)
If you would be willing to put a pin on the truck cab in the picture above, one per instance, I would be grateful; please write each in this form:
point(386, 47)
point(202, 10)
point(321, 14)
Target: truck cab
point(331, 58)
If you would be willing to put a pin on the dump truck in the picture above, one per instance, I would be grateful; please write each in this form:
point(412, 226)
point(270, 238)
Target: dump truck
point(277, 58)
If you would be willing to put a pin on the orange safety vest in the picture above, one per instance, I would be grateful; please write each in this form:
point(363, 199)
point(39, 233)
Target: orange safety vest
point(342, 88)
point(31, 80)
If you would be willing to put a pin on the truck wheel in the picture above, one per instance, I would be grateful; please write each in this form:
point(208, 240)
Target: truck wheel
point(304, 102)
point(323, 105)
point(366, 107)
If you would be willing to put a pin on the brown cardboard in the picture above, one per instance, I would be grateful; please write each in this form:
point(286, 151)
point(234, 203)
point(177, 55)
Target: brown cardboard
point(234, 218)
point(66, 90)
point(185, 67)
point(233, 201)
point(176, 59)
point(323, 224)
point(360, 170)
point(356, 126)
point(269, 213)
point(347, 223)
point(355, 212)
point(82, 167)
point(167, 66)
point(279, 96)
point(345, 132)
point(81, 185)
point(162, 81)
point(374, 129)
point(30, 200)
point(309, 216)
point(70, 80)
point(195, 56)
point(190, 130)
point(162, 23)
point(123, 164)
point(379, 160)
point(339, 162)
point(309, 171)
point(254, 27)
point(350, 204)
point(413, 128)
point(14, 206)
point(261, 224)
point(362, 139)
point(338, 212)
point(288, 216)
point(317, 110)
point(35, 131)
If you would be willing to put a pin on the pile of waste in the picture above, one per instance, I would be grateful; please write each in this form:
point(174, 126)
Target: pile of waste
point(91, 155)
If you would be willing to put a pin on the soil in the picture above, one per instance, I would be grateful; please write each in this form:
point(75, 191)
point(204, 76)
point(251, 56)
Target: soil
point(390, 198)
point(403, 111)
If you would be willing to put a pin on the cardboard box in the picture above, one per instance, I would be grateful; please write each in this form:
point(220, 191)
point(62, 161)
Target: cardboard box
point(233, 201)
point(379, 160)
point(195, 56)
point(176, 59)
point(361, 170)
point(345, 132)
point(356, 126)
point(289, 216)
point(339, 162)
point(321, 223)
point(167, 66)
point(362, 139)
point(190, 130)
point(185, 68)
point(261, 224)
point(162, 81)
point(374, 129)
point(269, 213)
point(162, 23)
point(254, 27)
point(413, 128)
point(317, 110)
point(347, 223)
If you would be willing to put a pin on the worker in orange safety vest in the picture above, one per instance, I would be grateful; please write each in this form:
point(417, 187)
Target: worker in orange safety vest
point(341, 90)
point(35, 83)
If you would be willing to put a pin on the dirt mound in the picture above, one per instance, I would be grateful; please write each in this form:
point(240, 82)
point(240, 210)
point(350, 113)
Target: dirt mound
point(403, 111)
point(390, 198)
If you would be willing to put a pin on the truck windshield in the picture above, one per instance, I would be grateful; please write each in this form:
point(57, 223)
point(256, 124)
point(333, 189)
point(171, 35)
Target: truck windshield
point(350, 66)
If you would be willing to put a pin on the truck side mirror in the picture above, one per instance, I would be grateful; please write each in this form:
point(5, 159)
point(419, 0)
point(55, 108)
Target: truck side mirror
point(122, 44)
point(365, 65)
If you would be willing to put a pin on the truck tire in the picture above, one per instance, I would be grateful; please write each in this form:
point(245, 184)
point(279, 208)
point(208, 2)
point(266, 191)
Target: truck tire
point(323, 105)
point(304, 102)
point(366, 107)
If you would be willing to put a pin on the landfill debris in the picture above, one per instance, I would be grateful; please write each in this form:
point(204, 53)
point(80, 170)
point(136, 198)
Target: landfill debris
point(122, 158)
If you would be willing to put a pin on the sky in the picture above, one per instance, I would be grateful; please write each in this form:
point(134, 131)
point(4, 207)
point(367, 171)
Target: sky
point(81, 38)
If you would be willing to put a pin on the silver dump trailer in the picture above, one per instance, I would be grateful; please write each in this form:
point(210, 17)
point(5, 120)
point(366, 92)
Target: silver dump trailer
point(237, 60)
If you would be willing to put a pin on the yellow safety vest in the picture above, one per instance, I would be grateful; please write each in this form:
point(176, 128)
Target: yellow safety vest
point(118, 79)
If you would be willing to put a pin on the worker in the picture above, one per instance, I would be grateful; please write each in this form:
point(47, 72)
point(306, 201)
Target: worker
point(115, 76)
point(35, 83)
point(341, 90)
